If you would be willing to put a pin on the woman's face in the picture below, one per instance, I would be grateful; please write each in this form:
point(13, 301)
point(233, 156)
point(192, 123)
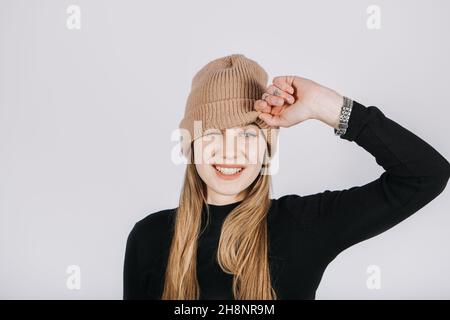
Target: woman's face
point(229, 160)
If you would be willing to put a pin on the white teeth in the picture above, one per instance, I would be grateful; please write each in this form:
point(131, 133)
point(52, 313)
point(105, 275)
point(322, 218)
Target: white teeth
point(228, 170)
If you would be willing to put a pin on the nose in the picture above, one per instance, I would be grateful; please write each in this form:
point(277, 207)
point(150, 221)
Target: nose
point(230, 149)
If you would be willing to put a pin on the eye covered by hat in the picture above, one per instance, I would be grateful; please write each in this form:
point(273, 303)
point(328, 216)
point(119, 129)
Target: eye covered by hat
point(222, 96)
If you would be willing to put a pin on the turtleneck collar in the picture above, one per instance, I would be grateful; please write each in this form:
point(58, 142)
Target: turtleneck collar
point(218, 213)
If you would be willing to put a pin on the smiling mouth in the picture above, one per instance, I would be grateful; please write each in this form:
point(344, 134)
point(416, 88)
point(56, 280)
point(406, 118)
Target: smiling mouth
point(228, 170)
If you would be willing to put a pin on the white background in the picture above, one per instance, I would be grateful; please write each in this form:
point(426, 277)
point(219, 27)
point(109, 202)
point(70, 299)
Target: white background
point(86, 118)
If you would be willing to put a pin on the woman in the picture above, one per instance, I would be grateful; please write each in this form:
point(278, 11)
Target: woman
point(227, 239)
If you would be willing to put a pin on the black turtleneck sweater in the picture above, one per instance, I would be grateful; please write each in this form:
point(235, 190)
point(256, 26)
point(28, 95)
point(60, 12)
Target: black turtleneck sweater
point(305, 232)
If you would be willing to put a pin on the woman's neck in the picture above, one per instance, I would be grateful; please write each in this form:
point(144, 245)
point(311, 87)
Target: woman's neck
point(223, 199)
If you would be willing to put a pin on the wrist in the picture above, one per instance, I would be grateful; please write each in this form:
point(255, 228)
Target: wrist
point(328, 108)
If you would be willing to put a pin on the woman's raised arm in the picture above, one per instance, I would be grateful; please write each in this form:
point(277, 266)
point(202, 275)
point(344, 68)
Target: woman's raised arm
point(415, 173)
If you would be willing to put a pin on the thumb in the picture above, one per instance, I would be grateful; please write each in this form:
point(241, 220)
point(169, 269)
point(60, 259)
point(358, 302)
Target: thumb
point(272, 120)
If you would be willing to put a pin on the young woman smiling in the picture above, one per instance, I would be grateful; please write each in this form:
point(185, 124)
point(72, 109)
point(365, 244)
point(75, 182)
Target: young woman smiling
point(228, 239)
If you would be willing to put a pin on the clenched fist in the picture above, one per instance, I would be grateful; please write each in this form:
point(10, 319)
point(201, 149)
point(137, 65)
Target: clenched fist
point(290, 100)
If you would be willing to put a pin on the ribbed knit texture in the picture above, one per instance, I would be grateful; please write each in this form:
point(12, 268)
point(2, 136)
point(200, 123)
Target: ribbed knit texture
point(222, 96)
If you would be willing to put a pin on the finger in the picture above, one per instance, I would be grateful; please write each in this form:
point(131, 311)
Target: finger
point(285, 83)
point(262, 105)
point(273, 100)
point(272, 120)
point(276, 91)
point(277, 110)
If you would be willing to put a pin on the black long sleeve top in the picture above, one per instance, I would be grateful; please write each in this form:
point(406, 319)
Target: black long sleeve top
point(305, 232)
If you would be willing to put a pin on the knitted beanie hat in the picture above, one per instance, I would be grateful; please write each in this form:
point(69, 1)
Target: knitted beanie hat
point(222, 96)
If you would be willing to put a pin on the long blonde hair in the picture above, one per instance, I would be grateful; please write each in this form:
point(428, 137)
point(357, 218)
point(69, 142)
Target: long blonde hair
point(243, 244)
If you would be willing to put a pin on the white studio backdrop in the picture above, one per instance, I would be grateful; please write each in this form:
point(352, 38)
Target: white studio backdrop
point(92, 91)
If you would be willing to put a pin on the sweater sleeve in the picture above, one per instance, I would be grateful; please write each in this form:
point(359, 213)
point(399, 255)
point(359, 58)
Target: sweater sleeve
point(132, 286)
point(415, 173)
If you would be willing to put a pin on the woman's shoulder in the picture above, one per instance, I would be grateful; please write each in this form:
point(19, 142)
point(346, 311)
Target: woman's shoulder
point(150, 238)
point(155, 223)
point(299, 207)
point(296, 202)
point(161, 216)
point(288, 202)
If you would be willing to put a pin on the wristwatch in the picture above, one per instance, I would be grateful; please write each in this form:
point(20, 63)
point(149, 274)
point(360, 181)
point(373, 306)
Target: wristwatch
point(344, 116)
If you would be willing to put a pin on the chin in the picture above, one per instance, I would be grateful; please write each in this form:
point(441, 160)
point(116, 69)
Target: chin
point(227, 190)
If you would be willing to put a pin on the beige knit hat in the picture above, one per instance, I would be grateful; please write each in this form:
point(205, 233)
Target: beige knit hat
point(222, 96)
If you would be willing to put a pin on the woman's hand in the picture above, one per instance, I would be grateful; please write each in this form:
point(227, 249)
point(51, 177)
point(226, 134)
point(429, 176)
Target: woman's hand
point(290, 100)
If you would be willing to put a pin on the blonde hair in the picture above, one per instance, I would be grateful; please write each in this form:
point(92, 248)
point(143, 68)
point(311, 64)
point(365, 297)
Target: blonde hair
point(243, 244)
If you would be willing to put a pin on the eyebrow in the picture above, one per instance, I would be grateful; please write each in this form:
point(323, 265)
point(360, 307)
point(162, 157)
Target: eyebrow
point(245, 128)
point(250, 126)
